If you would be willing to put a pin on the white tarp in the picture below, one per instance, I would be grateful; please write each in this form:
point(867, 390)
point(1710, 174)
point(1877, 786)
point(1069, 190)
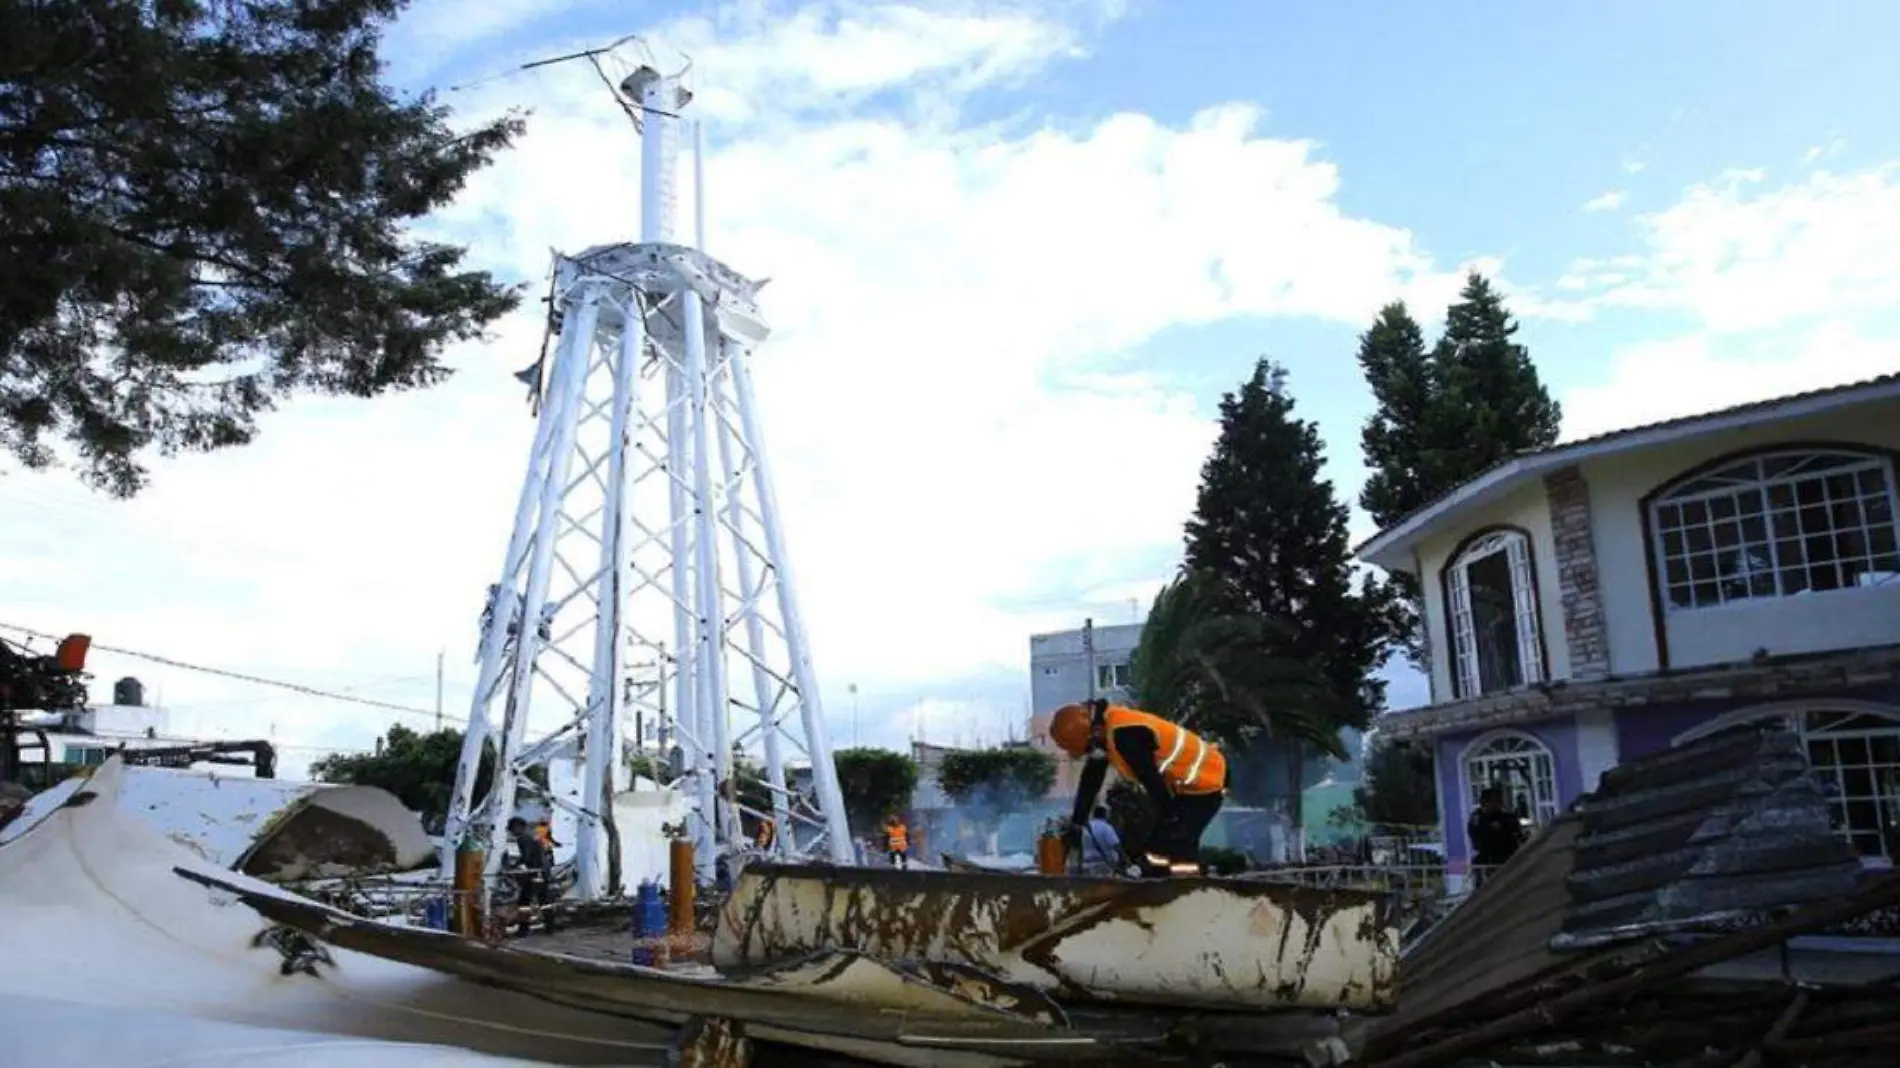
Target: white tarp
point(222, 818)
point(94, 919)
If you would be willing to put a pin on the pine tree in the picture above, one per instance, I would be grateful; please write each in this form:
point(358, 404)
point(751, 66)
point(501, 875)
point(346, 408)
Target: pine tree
point(1397, 441)
point(1444, 417)
point(1397, 367)
point(205, 208)
point(1270, 530)
point(1494, 404)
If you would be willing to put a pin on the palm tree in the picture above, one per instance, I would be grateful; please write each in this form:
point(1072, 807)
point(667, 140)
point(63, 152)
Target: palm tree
point(1227, 675)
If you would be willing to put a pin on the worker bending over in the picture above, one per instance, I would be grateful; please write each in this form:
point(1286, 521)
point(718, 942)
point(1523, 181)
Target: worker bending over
point(1184, 775)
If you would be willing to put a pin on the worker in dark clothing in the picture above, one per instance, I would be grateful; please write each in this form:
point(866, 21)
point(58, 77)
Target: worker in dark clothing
point(534, 879)
point(1185, 777)
point(1495, 833)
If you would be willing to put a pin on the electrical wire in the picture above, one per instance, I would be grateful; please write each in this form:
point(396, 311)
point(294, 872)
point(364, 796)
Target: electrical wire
point(294, 687)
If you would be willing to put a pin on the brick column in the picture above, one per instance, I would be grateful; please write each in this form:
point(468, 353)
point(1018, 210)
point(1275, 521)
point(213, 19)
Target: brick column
point(1575, 544)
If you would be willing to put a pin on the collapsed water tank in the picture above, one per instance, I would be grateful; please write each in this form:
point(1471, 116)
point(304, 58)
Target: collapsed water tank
point(128, 692)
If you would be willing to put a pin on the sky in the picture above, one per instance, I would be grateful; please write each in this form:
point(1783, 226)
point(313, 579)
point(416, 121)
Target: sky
point(1018, 249)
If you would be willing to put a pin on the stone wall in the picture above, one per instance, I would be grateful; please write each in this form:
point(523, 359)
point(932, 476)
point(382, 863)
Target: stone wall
point(1575, 547)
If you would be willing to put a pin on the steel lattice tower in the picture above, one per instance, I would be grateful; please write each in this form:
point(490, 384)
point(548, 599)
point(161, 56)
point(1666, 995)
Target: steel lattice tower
point(647, 555)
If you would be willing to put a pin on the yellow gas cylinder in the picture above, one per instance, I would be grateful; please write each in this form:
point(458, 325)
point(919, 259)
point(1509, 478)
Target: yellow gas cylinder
point(470, 860)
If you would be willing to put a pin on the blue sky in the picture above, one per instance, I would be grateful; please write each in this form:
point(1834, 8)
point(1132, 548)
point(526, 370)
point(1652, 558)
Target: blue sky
point(1018, 249)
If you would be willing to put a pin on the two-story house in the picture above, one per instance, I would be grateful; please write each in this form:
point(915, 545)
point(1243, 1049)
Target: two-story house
point(1610, 597)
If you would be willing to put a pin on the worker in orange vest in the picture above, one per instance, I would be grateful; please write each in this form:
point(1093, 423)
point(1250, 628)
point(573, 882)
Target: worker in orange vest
point(767, 834)
point(1184, 775)
point(897, 841)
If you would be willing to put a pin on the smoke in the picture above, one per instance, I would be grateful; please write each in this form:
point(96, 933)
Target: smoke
point(991, 819)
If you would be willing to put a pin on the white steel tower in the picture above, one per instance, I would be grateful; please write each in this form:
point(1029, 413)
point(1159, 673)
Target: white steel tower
point(647, 555)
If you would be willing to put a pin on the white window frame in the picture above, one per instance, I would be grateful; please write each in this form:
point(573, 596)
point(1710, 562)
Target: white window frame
point(1801, 717)
point(1486, 759)
point(1112, 676)
point(1467, 680)
point(1752, 568)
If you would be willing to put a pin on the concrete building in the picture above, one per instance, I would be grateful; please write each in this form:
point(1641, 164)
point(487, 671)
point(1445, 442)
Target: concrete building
point(1608, 598)
point(53, 744)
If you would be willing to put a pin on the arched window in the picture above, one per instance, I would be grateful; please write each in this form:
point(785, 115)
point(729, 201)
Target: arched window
point(1777, 524)
point(1522, 767)
point(1491, 603)
point(1856, 752)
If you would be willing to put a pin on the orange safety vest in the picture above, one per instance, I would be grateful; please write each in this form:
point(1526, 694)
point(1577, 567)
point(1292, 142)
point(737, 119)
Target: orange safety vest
point(1188, 762)
point(768, 830)
point(899, 837)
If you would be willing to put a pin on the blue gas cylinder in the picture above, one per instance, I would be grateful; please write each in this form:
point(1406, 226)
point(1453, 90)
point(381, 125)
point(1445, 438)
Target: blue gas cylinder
point(435, 914)
point(649, 923)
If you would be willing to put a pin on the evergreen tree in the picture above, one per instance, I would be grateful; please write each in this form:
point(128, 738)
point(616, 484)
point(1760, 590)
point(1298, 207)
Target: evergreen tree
point(1271, 532)
point(206, 208)
point(1444, 417)
point(875, 783)
point(418, 768)
point(1400, 446)
point(1495, 406)
point(1396, 439)
point(1399, 791)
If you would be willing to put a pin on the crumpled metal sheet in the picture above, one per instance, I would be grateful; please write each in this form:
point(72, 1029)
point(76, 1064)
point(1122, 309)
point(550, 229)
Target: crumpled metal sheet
point(1207, 943)
point(1708, 836)
point(839, 1002)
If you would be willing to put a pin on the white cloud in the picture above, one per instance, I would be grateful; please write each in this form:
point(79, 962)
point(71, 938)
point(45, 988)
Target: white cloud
point(1815, 154)
point(942, 292)
point(1829, 245)
point(1688, 375)
point(1741, 256)
point(433, 31)
point(1608, 201)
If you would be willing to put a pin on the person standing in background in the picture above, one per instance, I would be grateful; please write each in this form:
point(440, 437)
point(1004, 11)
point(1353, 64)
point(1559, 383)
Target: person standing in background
point(897, 841)
point(1102, 846)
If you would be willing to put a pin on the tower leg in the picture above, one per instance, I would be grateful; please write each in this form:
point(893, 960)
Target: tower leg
point(766, 695)
point(824, 773)
point(605, 698)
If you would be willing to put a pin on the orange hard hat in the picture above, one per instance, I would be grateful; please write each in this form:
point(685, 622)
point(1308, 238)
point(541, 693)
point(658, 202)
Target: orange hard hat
point(1069, 729)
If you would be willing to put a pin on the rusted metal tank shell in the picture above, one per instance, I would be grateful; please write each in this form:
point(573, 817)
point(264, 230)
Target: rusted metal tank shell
point(1184, 942)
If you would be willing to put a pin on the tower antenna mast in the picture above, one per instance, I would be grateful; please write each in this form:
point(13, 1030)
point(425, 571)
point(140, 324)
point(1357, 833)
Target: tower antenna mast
point(648, 533)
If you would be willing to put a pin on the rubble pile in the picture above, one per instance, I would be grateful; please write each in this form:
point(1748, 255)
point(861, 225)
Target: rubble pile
point(1697, 910)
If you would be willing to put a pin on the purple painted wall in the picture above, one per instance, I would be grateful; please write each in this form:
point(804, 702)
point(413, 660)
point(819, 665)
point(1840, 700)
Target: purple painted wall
point(1454, 803)
point(1642, 731)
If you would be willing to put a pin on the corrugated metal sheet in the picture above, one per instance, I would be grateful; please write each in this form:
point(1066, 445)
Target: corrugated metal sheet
point(1704, 837)
point(1713, 835)
point(229, 820)
point(1498, 939)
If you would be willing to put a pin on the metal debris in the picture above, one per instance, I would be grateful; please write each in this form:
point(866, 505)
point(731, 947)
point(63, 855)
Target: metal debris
point(1697, 910)
point(711, 1042)
point(1208, 943)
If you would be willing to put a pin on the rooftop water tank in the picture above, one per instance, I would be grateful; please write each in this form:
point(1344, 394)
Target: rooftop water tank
point(129, 691)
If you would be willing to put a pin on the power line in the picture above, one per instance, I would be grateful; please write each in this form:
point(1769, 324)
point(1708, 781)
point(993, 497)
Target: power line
point(294, 687)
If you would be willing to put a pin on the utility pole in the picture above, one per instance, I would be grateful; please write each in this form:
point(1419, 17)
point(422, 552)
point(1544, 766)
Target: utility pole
point(853, 690)
point(440, 654)
point(1088, 653)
